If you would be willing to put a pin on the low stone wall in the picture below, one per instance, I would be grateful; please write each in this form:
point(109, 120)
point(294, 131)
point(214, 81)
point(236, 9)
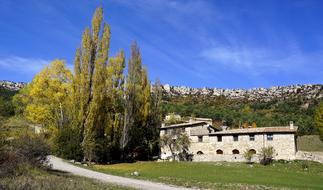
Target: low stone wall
point(221, 158)
point(313, 156)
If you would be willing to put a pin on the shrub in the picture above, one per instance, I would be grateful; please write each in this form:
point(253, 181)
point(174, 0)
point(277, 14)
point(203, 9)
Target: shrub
point(68, 144)
point(304, 165)
point(32, 148)
point(26, 150)
point(266, 155)
point(248, 155)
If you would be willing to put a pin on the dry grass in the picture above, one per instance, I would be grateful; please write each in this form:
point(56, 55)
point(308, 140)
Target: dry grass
point(309, 143)
point(53, 180)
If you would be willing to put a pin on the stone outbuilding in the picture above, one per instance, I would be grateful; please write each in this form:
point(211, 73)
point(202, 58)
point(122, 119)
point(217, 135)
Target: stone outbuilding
point(210, 143)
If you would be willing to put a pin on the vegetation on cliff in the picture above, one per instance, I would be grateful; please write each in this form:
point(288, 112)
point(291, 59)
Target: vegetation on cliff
point(235, 113)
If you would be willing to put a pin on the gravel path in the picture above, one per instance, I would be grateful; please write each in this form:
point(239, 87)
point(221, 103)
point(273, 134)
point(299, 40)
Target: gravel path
point(59, 164)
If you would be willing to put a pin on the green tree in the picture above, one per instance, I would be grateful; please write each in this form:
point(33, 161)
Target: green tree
point(318, 119)
point(137, 104)
point(176, 142)
point(247, 154)
point(155, 119)
point(266, 155)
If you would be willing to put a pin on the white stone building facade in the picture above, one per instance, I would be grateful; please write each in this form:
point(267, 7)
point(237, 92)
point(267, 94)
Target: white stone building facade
point(212, 144)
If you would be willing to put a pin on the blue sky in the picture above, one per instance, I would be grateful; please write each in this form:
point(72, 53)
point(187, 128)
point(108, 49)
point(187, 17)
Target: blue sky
point(228, 44)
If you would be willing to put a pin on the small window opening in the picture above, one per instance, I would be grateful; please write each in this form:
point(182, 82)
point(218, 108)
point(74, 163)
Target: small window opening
point(270, 137)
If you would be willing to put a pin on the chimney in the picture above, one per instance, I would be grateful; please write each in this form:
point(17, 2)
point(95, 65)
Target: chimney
point(291, 124)
point(163, 125)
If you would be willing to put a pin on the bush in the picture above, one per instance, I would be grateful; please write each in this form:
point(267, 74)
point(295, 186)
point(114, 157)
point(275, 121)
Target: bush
point(248, 156)
point(21, 153)
point(68, 144)
point(266, 155)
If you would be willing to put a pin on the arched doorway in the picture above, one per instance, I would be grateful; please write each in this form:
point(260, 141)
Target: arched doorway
point(199, 152)
point(219, 151)
point(252, 151)
point(235, 151)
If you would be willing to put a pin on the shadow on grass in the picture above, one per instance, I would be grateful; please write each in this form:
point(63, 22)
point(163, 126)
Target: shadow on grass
point(56, 172)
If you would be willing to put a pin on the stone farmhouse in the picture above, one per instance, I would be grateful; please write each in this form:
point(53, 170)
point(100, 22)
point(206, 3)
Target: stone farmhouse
point(210, 143)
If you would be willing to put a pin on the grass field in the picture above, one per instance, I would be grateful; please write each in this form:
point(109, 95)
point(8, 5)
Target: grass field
point(224, 175)
point(310, 143)
point(38, 179)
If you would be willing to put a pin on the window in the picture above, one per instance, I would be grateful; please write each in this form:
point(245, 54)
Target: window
point(270, 137)
point(235, 138)
point(219, 138)
point(200, 138)
point(235, 151)
point(219, 151)
point(252, 137)
point(199, 152)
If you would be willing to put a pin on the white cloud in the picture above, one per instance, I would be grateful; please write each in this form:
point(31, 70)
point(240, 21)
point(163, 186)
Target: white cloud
point(262, 60)
point(22, 64)
point(177, 14)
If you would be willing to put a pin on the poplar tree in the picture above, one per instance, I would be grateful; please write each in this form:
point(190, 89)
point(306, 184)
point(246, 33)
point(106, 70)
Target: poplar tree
point(95, 121)
point(115, 107)
point(155, 119)
point(76, 95)
point(89, 86)
point(98, 112)
point(137, 104)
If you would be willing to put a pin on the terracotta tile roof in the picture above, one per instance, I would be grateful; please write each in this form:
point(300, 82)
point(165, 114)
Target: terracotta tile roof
point(280, 129)
point(180, 125)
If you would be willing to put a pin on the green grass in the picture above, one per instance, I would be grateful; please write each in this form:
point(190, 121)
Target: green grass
point(224, 175)
point(38, 179)
point(309, 143)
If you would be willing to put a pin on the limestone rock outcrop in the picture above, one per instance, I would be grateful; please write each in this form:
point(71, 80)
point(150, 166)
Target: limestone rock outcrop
point(306, 91)
point(13, 86)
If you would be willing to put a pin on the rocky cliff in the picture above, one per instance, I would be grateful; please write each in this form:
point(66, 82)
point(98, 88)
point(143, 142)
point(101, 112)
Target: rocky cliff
point(13, 86)
point(307, 91)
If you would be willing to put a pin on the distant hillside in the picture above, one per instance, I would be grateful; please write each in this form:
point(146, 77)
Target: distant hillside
point(274, 106)
point(12, 86)
point(306, 92)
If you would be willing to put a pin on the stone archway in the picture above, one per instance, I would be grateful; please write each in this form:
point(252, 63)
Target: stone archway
point(199, 153)
point(235, 151)
point(252, 151)
point(219, 151)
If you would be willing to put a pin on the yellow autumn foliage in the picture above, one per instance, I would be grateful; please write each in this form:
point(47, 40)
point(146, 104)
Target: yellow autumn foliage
point(48, 94)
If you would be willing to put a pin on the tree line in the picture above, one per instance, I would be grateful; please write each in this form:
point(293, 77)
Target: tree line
point(99, 112)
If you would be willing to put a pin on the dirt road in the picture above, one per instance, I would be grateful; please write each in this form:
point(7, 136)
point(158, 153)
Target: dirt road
point(59, 164)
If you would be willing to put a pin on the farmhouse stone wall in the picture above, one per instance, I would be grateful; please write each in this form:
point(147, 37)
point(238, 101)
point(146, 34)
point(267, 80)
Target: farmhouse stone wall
point(313, 156)
point(284, 145)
